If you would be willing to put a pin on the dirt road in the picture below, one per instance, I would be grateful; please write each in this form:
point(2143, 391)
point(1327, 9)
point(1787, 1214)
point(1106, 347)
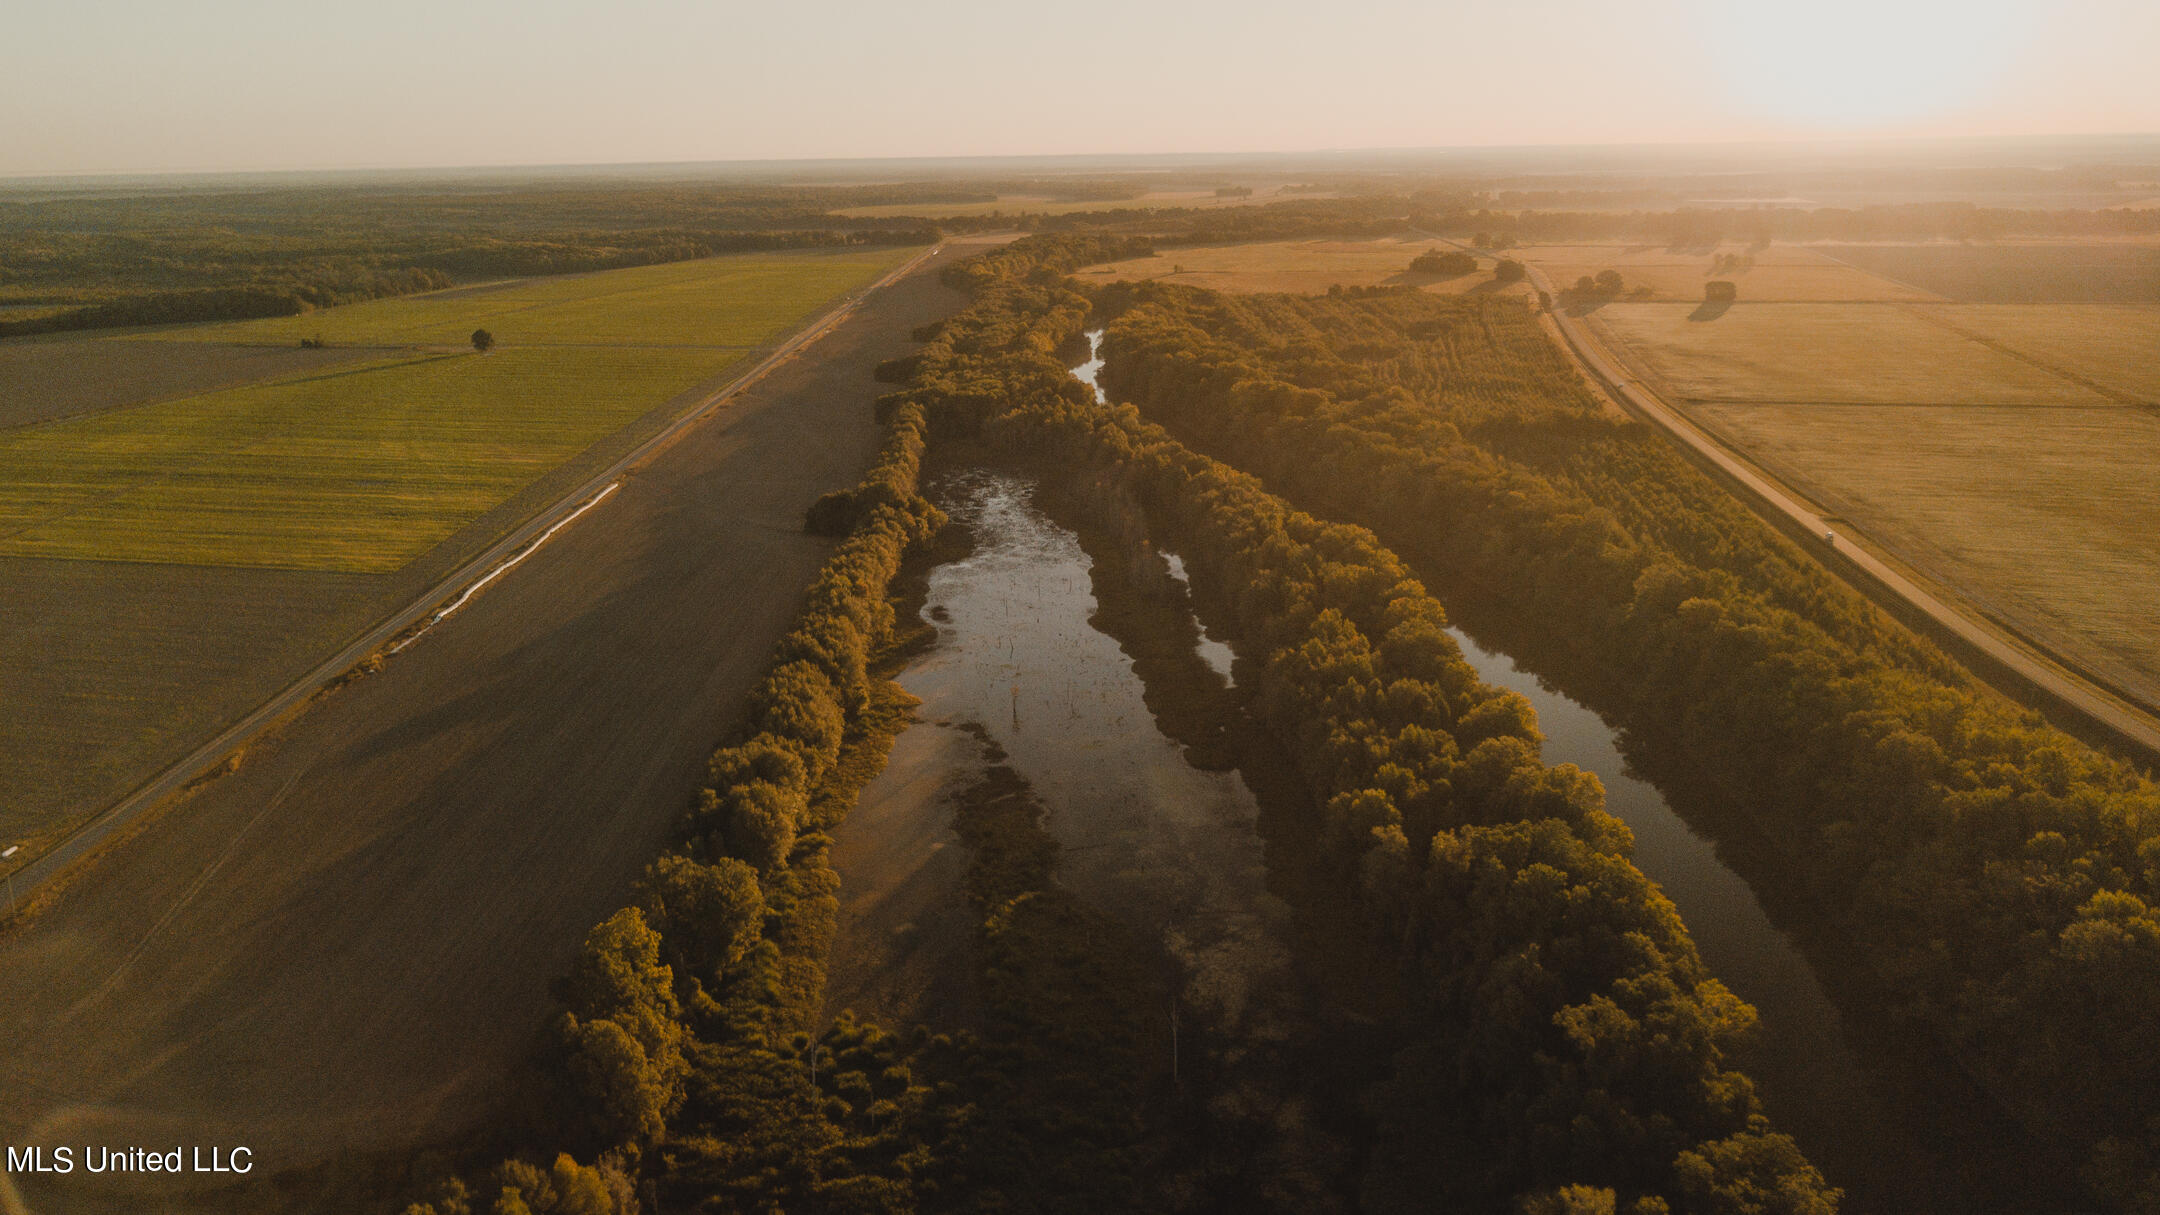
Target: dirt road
point(1849, 560)
point(346, 945)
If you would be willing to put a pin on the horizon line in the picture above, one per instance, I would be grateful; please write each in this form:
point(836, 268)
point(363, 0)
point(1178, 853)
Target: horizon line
point(1846, 141)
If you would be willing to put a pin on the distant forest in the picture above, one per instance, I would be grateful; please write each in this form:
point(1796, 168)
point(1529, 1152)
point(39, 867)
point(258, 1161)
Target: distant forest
point(98, 261)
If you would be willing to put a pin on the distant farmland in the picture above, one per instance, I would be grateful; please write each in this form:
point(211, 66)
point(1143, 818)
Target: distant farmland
point(1305, 266)
point(177, 555)
point(2060, 272)
point(1814, 354)
point(2004, 451)
point(1778, 272)
point(1043, 204)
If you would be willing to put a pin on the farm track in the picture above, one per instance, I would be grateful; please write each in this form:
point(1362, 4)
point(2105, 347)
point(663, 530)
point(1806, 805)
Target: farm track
point(2007, 655)
point(345, 945)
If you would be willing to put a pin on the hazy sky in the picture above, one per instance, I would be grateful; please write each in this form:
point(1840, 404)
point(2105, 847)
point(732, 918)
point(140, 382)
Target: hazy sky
point(125, 85)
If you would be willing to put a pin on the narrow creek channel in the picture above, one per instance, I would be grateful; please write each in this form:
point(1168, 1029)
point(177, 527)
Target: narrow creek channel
point(1897, 1140)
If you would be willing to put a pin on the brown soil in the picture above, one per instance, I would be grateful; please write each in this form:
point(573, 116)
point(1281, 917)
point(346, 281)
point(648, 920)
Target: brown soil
point(905, 949)
point(48, 378)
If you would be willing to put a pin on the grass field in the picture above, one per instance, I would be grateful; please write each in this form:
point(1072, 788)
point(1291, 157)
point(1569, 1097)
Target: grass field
point(1779, 272)
point(2059, 272)
point(364, 468)
point(1825, 354)
point(173, 558)
point(737, 301)
point(2044, 517)
point(357, 472)
point(1307, 266)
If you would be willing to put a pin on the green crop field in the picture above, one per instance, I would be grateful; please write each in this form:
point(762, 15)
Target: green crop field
point(359, 471)
point(363, 468)
point(176, 545)
point(737, 301)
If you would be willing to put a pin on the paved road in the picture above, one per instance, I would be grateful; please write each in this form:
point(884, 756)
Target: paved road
point(1597, 362)
point(345, 946)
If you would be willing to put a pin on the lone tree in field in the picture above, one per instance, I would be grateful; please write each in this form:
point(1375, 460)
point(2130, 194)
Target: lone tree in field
point(482, 340)
point(1508, 270)
point(1719, 291)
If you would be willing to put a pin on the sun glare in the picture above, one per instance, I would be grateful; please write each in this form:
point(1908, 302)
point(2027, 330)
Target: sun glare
point(1861, 63)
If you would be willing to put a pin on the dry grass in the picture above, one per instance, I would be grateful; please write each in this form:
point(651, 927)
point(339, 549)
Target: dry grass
point(1780, 272)
point(2115, 345)
point(1303, 266)
point(1882, 354)
point(2044, 517)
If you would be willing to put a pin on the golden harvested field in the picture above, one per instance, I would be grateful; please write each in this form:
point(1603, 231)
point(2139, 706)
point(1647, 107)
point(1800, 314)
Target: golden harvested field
point(1304, 266)
point(1813, 354)
point(2114, 345)
point(2045, 518)
point(2000, 450)
point(1780, 272)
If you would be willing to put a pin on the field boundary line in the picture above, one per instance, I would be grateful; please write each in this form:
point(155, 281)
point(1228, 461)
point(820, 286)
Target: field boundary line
point(2061, 682)
point(27, 881)
point(2001, 347)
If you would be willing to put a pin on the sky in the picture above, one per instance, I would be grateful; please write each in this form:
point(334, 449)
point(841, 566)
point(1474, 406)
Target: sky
point(106, 86)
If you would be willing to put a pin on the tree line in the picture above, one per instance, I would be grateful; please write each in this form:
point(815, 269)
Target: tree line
point(139, 258)
point(1999, 876)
